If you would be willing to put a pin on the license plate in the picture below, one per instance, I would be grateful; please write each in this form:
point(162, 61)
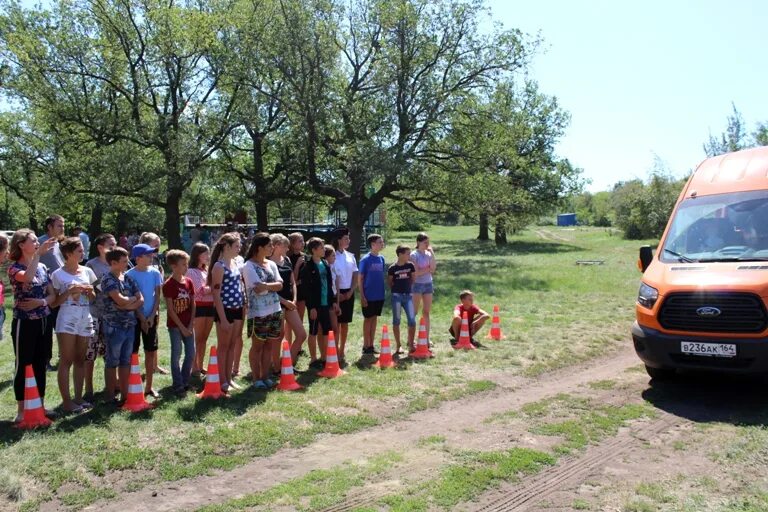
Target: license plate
point(708, 349)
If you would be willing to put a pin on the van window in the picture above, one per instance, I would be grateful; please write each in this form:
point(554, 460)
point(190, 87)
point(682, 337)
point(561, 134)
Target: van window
point(722, 227)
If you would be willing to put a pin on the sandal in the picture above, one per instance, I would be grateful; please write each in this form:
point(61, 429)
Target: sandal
point(75, 410)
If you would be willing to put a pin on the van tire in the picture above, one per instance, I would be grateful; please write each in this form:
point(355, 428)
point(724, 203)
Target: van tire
point(660, 374)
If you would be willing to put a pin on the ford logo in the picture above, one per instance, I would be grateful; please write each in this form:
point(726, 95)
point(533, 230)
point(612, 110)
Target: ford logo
point(708, 311)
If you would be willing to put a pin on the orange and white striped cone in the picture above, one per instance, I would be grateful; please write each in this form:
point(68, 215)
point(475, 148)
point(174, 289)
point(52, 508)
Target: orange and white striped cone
point(332, 368)
point(212, 387)
point(34, 414)
point(287, 378)
point(135, 400)
point(385, 357)
point(464, 339)
point(496, 333)
point(422, 347)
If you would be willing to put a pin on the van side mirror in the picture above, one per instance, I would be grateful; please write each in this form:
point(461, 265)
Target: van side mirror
point(646, 256)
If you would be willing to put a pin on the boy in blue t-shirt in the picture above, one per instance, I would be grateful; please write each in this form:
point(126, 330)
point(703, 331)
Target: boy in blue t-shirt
point(370, 282)
point(150, 282)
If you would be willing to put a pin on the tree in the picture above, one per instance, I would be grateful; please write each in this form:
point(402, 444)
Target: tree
point(25, 161)
point(497, 161)
point(734, 138)
point(372, 84)
point(143, 72)
point(643, 209)
point(761, 134)
point(593, 209)
point(260, 151)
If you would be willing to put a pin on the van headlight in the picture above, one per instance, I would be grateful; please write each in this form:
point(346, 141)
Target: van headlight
point(647, 296)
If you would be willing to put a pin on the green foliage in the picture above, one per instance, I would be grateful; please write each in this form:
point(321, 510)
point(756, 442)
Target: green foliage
point(734, 138)
point(400, 217)
point(501, 161)
point(642, 210)
point(593, 209)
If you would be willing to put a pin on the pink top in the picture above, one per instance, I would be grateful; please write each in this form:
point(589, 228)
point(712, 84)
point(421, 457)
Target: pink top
point(203, 296)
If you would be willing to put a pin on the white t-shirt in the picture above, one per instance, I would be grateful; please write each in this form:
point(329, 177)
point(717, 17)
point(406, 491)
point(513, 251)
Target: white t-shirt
point(345, 267)
point(63, 280)
point(265, 303)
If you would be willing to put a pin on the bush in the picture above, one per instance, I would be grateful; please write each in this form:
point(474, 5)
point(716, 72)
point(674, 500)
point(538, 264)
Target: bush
point(642, 210)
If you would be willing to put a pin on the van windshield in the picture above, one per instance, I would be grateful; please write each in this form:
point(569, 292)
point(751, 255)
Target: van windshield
point(722, 227)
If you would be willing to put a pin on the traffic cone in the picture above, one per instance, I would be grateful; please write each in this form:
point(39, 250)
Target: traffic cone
point(385, 358)
point(34, 414)
point(135, 401)
point(422, 347)
point(287, 379)
point(496, 333)
point(212, 387)
point(464, 340)
point(332, 369)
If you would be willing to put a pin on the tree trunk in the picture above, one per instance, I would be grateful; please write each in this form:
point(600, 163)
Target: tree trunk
point(483, 235)
point(262, 216)
point(97, 217)
point(33, 219)
point(500, 235)
point(122, 224)
point(172, 209)
point(356, 225)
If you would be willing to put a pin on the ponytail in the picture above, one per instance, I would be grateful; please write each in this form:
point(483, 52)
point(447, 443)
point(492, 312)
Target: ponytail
point(225, 239)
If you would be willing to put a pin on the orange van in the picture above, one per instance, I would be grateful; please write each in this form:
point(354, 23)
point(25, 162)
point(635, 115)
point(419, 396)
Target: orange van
point(702, 299)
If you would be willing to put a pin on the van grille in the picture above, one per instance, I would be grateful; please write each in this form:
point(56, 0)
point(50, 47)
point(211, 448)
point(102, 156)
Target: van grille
point(740, 312)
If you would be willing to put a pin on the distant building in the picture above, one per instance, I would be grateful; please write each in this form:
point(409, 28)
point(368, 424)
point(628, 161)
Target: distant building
point(566, 219)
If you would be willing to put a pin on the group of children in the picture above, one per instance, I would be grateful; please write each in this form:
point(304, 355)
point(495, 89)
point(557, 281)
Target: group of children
point(110, 306)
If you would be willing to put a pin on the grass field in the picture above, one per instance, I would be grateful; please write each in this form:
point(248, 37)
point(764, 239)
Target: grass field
point(554, 313)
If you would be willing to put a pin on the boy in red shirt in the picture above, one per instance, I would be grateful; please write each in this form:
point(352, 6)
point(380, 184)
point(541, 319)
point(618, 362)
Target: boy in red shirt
point(179, 293)
point(476, 317)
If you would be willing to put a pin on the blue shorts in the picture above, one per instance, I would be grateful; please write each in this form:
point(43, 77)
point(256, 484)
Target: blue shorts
point(119, 341)
point(422, 288)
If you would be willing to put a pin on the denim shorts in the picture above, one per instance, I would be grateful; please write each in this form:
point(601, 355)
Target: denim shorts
point(119, 340)
point(422, 288)
point(404, 301)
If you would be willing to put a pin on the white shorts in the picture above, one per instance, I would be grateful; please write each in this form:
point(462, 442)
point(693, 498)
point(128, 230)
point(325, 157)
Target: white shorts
point(75, 320)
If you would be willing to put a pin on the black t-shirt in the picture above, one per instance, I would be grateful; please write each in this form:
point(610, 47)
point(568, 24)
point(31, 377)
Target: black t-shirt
point(301, 291)
point(401, 277)
point(286, 269)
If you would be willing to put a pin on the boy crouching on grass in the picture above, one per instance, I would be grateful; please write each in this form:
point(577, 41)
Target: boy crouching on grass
point(179, 293)
point(120, 298)
point(476, 317)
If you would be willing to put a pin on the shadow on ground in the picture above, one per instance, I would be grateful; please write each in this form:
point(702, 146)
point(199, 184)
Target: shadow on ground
point(705, 398)
point(485, 275)
point(514, 247)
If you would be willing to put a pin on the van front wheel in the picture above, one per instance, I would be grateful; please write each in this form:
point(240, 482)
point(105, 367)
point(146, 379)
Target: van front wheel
point(660, 374)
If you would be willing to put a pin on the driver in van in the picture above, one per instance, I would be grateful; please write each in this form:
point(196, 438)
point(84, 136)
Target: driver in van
point(713, 239)
point(756, 233)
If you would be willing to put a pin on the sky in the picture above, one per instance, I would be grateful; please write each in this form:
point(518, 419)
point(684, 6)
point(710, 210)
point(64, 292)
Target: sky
point(645, 79)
